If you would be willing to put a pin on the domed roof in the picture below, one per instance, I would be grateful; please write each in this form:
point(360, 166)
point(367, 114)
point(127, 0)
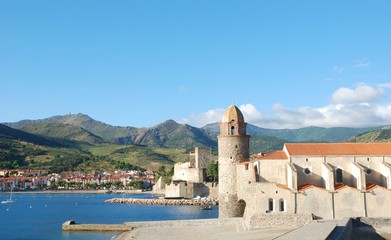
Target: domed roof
point(233, 114)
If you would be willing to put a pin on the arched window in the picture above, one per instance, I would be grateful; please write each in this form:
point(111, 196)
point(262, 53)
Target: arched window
point(271, 205)
point(241, 208)
point(338, 175)
point(232, 130)
point(282, 205)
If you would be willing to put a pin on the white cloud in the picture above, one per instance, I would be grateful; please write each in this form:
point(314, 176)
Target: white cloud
point(349, 108)
point(251, 112)
point(200, 120)
point(385, 85)
point(362, 63)
point(337, 69)
point(362, 93)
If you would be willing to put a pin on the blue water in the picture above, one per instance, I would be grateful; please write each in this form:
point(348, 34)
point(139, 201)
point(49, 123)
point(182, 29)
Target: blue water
point(40, 216)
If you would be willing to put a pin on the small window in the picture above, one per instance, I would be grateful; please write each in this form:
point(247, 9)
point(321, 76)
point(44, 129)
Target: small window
point(306, 159)
point(282, 205)
point(338, 175)
point(368, 159)
point(246, 166)
point(368, 171)
point(307, 171)
point(232, 130)
point(271, 205)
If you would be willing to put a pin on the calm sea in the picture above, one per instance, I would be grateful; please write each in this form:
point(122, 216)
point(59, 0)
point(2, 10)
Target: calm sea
point(40, 216)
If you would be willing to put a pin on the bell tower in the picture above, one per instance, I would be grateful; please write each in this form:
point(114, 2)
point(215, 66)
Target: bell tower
point(233, 147)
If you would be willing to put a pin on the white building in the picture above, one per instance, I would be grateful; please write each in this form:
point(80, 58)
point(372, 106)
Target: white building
point(328, 180)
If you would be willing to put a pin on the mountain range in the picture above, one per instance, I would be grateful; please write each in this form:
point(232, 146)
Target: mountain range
point(80, 131)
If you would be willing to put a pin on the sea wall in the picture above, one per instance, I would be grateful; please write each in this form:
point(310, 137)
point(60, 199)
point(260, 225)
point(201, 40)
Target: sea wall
point(187, 202)
point(186, 223)
point(72, 226)
point(128, 226)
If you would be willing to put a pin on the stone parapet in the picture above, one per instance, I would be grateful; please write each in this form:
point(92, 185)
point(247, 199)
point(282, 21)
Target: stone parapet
point(72, 226)
point(179, 202)
point(269, 220)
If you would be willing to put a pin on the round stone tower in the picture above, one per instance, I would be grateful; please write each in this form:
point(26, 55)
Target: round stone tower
point(233, 147)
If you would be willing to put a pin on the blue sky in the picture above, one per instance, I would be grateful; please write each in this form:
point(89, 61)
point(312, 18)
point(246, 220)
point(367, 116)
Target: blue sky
point(286, 64)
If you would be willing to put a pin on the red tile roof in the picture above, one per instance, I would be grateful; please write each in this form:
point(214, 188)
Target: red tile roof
point(339, 186)
point(371, 186)
point(338, 149)
point(276, 155)
point(282, 186)
point(308, 186)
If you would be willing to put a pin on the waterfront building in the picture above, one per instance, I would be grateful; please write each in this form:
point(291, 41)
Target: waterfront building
point(189, 179)
point(326, 180)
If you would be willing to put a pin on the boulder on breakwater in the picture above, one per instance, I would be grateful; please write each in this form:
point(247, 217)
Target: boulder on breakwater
point(162, 201)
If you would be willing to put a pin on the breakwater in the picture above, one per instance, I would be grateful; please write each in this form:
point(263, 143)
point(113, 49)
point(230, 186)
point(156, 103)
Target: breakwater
point(72, 226)
point(162, 201)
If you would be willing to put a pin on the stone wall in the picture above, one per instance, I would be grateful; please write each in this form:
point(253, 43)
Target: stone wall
point(160, 201)
point(72, 226)
point(373, 221)
point(259, 221)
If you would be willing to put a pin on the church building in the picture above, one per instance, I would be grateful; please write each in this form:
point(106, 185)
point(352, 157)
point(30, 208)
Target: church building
point(326, 180)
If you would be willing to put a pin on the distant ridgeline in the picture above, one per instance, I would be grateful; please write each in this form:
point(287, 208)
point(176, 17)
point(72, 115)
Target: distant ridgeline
point(97, 145)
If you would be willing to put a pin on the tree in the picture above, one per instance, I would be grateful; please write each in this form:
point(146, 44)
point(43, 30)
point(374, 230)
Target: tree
point(212, 171)
point(162, 171)
point(136, 184)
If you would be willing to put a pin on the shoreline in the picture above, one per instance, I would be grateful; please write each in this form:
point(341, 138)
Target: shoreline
point(79, 192)
point(163, 201)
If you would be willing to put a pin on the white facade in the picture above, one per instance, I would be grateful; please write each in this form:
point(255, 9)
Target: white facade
point(326, 180)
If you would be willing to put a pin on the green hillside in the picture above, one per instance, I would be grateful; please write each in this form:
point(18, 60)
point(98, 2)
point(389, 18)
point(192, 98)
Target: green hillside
point(173, 135)
point(78, 142)
point(100, 129)
point(307, 134)
point(265, 144)
point(382, 135)
point(63, 131)
point(21, 149)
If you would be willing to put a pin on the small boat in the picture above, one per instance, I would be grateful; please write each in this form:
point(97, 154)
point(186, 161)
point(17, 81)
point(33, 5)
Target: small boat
point(206, 207)
point(9, 200)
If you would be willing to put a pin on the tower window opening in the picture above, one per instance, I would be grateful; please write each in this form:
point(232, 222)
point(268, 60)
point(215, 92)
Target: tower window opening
point(232, 130)
point(339, 175)
point(307, 171)
point(282, 205)
point(271, 205)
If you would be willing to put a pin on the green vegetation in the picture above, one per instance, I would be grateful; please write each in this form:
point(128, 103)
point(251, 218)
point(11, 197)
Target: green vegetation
point(212, 172)
point(382, 135)
point(78, 142)
point(264, 144)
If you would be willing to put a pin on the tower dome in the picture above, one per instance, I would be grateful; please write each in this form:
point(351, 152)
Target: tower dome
point(233, 114)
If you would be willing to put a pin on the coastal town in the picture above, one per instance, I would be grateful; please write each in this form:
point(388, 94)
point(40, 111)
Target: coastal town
point(30, 180)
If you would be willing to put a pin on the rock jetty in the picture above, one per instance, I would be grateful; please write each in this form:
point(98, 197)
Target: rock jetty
point(162, 201)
